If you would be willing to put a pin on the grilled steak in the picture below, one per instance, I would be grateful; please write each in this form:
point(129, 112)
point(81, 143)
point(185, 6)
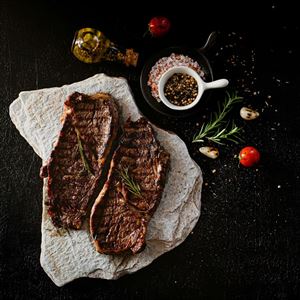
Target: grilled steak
point(90, 125)
point(132, 192)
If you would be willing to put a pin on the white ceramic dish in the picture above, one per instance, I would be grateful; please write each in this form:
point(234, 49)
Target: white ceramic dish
point(202, 86)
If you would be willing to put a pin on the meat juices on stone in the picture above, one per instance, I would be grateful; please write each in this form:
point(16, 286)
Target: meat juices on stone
point(119, 219)
point(74, 169)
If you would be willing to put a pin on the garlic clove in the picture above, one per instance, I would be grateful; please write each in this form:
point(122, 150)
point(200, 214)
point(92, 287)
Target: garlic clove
point(210, 152)
point(248, 114)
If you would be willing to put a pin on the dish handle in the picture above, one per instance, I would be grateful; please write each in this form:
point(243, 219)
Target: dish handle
point(220, 83)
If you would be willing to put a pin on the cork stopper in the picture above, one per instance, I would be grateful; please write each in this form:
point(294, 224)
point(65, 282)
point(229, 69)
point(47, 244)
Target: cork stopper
point(131, 58)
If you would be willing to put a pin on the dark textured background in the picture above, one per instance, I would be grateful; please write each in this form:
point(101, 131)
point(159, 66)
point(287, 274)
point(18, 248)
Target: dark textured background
point(246, 243)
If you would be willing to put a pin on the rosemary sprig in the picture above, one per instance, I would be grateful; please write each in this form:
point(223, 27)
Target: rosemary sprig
point(231, 135)
point(83, 158)
point(131, 185)
point(213, 129)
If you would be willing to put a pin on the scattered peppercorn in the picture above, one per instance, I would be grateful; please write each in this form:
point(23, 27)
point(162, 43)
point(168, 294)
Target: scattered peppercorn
point(181, 89)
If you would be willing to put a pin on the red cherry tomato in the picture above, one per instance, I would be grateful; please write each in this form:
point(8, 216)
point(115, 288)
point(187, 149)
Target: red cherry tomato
point(159, 26)
point(249, 156)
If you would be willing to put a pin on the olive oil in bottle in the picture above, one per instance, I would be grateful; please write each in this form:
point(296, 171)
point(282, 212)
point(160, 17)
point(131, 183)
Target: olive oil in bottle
point(91, 46)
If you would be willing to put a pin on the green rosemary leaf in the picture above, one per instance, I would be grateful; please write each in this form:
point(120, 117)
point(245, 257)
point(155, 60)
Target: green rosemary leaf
point(214, 129)
point(81, 151)
point(131, 185)
point(215, 140)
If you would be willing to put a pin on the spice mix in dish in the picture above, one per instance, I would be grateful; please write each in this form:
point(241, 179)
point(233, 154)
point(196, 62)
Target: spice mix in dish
point(164, 64)
point(181, 89)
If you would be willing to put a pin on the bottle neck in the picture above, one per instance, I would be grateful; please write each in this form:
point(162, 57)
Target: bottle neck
point(127, 56)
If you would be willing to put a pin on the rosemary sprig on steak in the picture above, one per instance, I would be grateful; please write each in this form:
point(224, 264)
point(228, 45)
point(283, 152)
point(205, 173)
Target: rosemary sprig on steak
point(84, 161)
point(131, 185)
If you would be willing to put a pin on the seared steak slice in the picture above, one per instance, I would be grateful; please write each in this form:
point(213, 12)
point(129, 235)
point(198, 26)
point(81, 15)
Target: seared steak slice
point(90, 125)
point(119, 218)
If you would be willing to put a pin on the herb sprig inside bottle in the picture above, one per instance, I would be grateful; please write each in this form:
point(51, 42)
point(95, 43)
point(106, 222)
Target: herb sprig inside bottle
point(217, 129)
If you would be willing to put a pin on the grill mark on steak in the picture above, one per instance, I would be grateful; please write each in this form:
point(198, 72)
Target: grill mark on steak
point(71, 187)
point(118, 221)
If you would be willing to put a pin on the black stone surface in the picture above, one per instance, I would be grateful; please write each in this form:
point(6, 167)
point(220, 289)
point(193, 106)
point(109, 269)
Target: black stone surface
point(246, 243)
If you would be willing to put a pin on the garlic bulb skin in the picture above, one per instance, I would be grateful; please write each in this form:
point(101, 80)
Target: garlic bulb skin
point(248, 114)
point(210, 152)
